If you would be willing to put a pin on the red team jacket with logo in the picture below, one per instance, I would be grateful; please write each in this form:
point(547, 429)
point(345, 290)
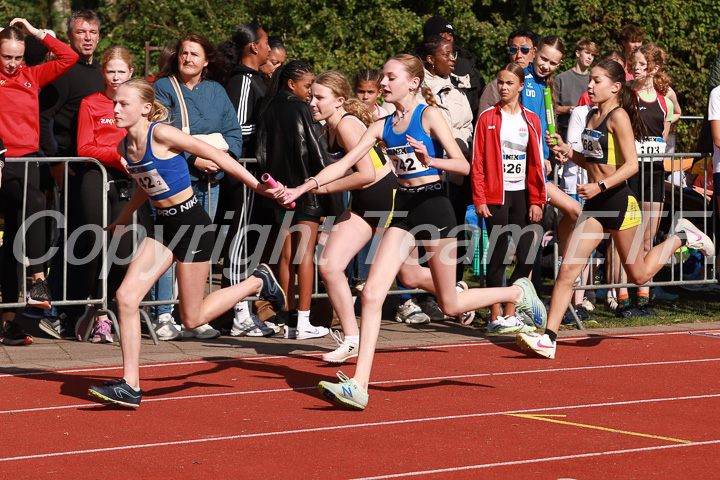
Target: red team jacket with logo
point(487, 166)
point(19, 110)
point(98, 137)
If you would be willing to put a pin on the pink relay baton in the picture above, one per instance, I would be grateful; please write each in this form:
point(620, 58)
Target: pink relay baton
point(270, 182)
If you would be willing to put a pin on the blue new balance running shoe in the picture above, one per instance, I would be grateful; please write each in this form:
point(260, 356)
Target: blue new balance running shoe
point(530, 304)
point(271, 289)
point(117, 391)
point(347, 392)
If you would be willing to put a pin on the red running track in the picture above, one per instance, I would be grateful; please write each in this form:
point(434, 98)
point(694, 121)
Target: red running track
point(624, 406)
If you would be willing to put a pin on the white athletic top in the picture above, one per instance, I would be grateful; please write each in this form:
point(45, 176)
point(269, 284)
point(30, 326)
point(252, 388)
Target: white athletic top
point(714, 114)
point(514, 137)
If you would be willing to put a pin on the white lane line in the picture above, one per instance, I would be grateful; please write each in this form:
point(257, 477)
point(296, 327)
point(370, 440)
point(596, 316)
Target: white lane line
point(480, 343)
point(383, 382)
point(360, 425)
point(540, 460)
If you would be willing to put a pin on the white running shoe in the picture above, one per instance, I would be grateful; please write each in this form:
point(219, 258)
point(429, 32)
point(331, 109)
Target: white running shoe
point(311, 332)
point(696, 239)
point(467, 317)
point(411, 313)
point(203, 332)
point(540, 344)
point(251, 327)
point(506, 324)
point(165, 328)
point(347, 392)
point(345, 350)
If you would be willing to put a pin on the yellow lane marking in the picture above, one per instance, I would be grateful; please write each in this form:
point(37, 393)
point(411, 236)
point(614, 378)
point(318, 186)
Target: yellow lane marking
point(545, 418)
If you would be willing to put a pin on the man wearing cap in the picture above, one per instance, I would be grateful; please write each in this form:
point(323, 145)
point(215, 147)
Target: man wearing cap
point(465, 77)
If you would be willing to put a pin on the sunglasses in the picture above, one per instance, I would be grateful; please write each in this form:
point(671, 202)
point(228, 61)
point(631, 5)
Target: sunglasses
point(523, 50)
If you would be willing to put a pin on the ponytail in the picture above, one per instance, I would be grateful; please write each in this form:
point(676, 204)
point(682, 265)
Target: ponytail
point(293, 70)
point(158, 113)
point(626, 97)
point(428, 95)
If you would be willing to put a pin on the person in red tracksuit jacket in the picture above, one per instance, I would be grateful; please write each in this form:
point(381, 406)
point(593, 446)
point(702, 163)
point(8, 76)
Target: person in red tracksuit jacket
point(19, 129)
point(508, 186)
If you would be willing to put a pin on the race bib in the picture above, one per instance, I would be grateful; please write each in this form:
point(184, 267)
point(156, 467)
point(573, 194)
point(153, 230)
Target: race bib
point(151, 181)
point(514, 167)
point(405, 161)
point(591, 143)
point(651, 145)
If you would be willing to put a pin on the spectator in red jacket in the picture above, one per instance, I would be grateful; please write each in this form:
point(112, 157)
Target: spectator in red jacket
point(19, 87)
point(508, 186)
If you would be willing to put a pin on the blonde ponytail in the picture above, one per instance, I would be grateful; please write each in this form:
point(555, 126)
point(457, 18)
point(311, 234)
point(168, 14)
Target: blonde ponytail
point(428, 95)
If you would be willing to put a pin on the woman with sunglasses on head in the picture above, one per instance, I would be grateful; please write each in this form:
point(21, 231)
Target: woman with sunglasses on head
point(609, 156)
point(416, 137)
point(20, 131)
point(181, 234)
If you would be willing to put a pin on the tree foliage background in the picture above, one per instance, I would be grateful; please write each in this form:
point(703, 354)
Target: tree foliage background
point(350, 34)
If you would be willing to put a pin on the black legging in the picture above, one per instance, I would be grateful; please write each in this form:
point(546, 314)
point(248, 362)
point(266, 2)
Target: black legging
point(513, 212)
point(120, 188)
point(11, 198)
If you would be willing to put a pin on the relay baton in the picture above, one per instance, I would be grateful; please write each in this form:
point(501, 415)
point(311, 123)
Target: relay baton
point(270, 182)
point(547, 95)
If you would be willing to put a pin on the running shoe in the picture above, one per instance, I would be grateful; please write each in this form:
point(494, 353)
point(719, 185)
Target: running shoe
point(271, 290)
point(203, 332)
point(117, 391)
point(531, 304)
point(507, 324)
point(696, 239)
point(540, 344)
point(102, 332)
point(311, 332)
point(165, 327)
point(39, 294)
point(347, 392)
point(12, 335)
point(251, 327)
point(33, 312)
point(588, 305)
point(467, 317)
point(430, 308)
point(345, 350)
point(647, 310)
point(57, 327)
point(290, 333)
point(411, 313)
point(629, 311)
point(81, 326)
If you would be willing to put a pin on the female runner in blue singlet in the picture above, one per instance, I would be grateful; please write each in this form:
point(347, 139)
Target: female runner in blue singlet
point(182, 233)
point(609, 156)
point(415, 136)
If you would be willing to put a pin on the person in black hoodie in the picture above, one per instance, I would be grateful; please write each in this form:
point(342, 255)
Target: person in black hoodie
point(291, 148)
point(246, 88)
point(466, 77)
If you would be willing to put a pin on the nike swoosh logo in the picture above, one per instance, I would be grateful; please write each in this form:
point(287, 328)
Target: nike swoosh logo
point(540, 344)
point(196, 251)
point(441, 229)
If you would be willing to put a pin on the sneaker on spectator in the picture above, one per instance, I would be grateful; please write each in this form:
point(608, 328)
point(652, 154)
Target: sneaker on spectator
point(311, 332)
point(430, 308)
point(39, 294)
point(82, 323)
point(588, 305)
point(165, 327)
point(629, 311)
point(102, 331)
point(611, 303)
point(657, 293)
point(347, 392)
point(467, 317)
point(290, 333)
point(568, 318)
point(530, 303)
point(273, 323)
point(11, 334)
point(506, 324)
point(345, 350)
point(251, 327)
point(58, 327)
point(696, 239)
point(203, 332)
point(410, 312)
point(647, 310)
point(540, 344)
point(117, 391)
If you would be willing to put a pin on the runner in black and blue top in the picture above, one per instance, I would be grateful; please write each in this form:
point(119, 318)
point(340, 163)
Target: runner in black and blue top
point(182, 233)
point(415, 137)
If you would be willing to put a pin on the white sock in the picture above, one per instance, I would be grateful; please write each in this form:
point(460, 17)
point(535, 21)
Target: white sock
point(242, 311)
point(353, 339)
point(304, 320)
